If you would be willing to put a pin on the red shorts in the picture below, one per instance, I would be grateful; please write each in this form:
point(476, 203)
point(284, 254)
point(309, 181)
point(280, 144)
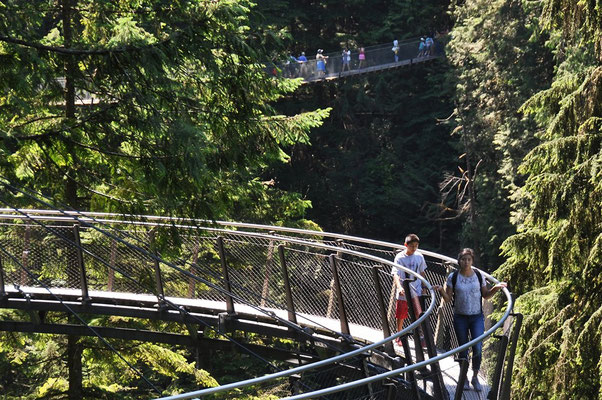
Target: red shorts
point(401, 309)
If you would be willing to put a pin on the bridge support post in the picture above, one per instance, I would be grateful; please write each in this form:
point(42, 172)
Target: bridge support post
point(83, 280)
point(339, 294)
point(438, 384)
point(195, 260)
point(74, 362)
point(383, 311)
point(112, 263)
point(3, 294)
point(157, 267)
point(499, 367)
point(227, 286)
point(25, 259)
point(332, 289)
point(410, 375)
point(290, 305)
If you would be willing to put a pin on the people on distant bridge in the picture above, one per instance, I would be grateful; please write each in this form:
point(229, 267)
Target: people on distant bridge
point(412, 259)
point(346, 60)
point(422, 48)
point(466, 287)
point(321, 63)
point(362, 58)
point(395, 50)
point(429, 46)
point(302, 60)
point(291, 66)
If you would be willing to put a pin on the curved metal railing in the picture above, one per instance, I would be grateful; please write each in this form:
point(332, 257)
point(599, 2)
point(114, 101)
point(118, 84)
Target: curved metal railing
point(188, 268)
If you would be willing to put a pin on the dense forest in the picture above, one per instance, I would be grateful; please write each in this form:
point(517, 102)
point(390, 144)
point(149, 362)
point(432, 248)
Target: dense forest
point(497, 146)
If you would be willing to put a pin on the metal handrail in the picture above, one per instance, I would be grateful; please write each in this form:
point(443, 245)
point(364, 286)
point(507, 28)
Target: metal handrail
point(169, 221)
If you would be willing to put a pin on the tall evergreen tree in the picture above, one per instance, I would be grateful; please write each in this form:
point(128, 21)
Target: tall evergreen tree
point(555, 259)
point(500, 60)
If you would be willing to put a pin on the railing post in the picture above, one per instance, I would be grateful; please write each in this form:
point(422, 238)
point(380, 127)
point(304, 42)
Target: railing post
point(265, 292)
point(408, 293)
point(112, 263)
point(410, 375)
point(383, 311)
point(339, 293)
point(499, 367)
point(332, 291)
point(438, 384)
point(157, 268)
point(25, 259)
point(292, 316)
point(83, 280)
point(191, 280)
point(505, 395)
point(2, 290)
point(227, 286)
point(461, 379)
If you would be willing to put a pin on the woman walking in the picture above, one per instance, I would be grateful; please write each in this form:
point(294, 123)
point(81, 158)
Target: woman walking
point(466, 287)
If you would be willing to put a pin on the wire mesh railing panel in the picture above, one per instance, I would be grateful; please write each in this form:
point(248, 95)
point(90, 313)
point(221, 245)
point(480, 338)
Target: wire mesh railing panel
point(254, 270)
point(49, 256)
point(210, 285)
point(311, 283)
point(359, 295)
point(12, 246)
point(200, 258)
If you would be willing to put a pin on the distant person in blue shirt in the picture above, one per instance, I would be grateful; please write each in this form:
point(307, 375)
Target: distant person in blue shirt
point(429, 46)
point(302, 60)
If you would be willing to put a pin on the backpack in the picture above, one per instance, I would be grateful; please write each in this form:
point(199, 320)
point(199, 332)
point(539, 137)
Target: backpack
point(454, 279)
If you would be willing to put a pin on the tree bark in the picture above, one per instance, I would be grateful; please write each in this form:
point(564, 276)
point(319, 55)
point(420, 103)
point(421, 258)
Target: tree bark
point(74, 361)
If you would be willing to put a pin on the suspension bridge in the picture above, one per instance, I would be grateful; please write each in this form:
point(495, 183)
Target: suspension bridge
point(331, 296)
point(376, 58)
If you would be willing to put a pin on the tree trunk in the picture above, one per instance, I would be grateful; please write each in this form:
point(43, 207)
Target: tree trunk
point(74, 361)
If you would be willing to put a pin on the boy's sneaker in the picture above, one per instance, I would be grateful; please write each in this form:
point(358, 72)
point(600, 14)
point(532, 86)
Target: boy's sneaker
point(466, 384)
point(476, 384)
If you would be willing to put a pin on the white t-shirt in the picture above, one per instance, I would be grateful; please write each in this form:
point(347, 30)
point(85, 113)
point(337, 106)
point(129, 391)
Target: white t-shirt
point(416, 263)
point(467, 295)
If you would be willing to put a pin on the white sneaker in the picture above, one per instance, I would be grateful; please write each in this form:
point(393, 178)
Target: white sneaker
point(476, 384)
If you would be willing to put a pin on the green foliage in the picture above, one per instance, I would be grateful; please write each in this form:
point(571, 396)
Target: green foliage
point(181, 121)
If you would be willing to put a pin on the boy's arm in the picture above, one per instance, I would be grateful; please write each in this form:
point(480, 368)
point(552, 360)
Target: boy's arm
point(398, 284)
